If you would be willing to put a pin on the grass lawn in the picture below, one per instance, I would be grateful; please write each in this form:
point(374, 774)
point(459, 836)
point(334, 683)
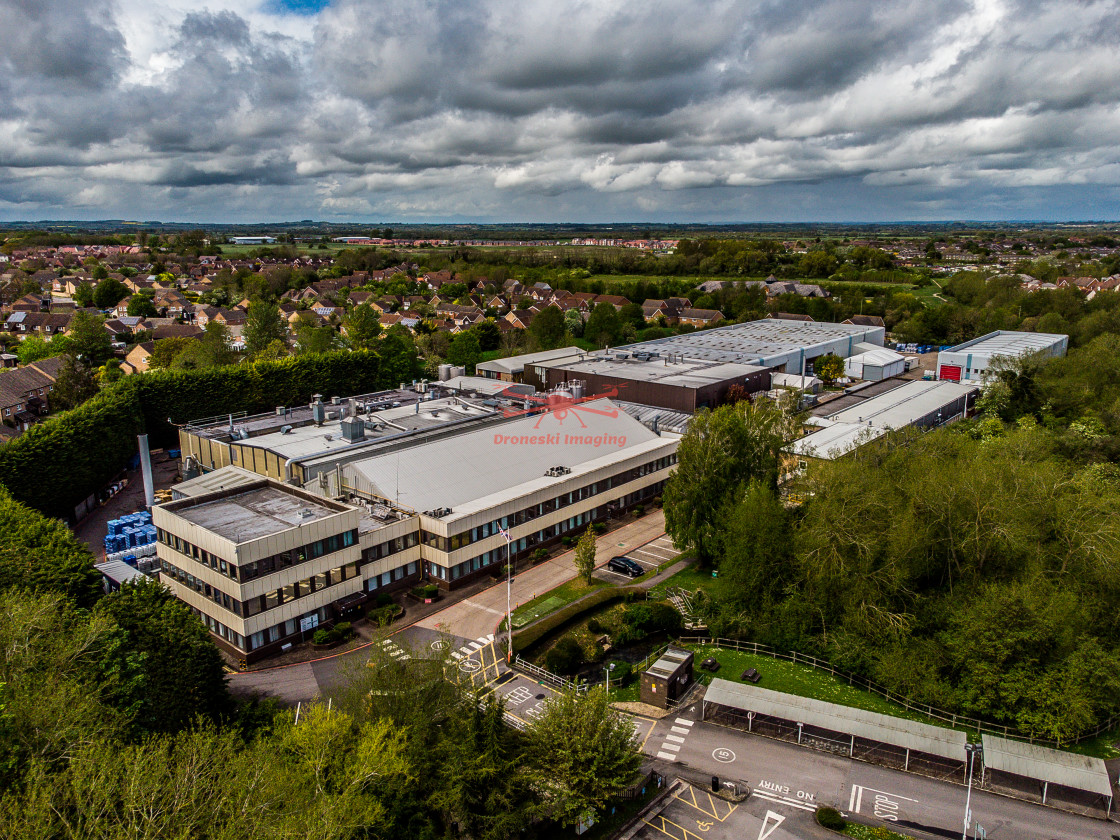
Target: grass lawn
point(801, 680)
point(1102, 746)
point(553, 600)
point(877, 832)
point(689, 578)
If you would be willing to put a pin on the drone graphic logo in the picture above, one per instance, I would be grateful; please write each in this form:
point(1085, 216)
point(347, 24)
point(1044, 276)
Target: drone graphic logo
point(560, 404)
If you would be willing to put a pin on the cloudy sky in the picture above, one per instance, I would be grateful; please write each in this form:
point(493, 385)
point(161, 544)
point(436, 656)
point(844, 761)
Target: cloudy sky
point(546, 110)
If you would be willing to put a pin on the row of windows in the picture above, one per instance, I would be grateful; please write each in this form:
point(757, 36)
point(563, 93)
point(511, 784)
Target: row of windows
point(385, 578)
point(489, 529)
point(258, 568)
point(269, 600)
point(393, 546)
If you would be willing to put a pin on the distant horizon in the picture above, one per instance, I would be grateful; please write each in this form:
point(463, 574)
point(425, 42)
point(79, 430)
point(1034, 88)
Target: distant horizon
point(389, 223)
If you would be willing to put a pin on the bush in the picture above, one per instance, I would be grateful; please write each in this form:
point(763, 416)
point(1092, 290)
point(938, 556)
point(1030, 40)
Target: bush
point(382, 616)
point(830, 818)
point(322, 636)
point(564, 657)
point(343, 630)
point(621, 673)
point(428, 590)
point(594, 626)
point(639, 510)
point(566, 541)
point(540, 554)
point(600, 527)
point(536, 631)
point(384, 599)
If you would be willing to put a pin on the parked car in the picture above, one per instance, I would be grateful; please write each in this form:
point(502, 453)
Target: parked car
point(625, 566)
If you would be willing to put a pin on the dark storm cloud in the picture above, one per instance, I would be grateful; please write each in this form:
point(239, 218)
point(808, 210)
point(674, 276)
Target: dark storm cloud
point(700, 109)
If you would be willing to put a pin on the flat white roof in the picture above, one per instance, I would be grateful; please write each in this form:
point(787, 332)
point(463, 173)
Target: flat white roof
point(1009, 343)
point(756, 341)
point(479, 469)
point(904, 405)
point(308, 440)
point(516, 364)
point(1060, 768)
point(835, 440)
point(908, 734)
point(252, 514)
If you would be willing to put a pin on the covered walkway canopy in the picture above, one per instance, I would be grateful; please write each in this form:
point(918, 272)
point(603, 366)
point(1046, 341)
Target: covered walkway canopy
point(1051, 767)
point(871, 726)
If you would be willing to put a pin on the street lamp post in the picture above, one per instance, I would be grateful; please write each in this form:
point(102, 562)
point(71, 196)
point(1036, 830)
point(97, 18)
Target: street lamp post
point(608, 669)
point(971, 749)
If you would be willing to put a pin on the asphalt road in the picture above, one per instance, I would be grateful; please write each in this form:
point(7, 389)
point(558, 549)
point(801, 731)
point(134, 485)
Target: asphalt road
point(796, 779)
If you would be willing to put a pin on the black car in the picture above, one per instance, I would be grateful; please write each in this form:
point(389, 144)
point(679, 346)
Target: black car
point(625, 566)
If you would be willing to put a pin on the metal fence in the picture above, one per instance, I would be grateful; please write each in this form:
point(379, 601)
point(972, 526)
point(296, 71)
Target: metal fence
point(540, 674)
point(932, 712)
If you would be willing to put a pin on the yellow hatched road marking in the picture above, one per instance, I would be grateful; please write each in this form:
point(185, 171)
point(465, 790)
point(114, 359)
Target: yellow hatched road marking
point(712, 810)
point(684, 832)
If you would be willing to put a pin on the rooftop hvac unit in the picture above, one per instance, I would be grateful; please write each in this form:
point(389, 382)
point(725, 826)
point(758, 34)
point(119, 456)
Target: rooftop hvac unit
point(353, 429)
point(318, 412)
point(444, 372)
point(285, 430)
point(336, 401)
point(280, 411)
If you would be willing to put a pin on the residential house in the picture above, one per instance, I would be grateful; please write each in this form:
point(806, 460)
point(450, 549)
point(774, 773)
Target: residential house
point(865, 321)
point(519, 318)
point(617, 301)
point(137, 359)
point(176, 331)
point(29, 303)
point(25, 392)
point(700, 317)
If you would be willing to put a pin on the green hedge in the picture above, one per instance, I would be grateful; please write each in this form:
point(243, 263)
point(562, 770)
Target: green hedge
point(43, 555)
point(59, 462)
point(533, 633)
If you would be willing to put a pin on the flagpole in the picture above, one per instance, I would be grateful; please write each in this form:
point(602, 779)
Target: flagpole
point(509, 610)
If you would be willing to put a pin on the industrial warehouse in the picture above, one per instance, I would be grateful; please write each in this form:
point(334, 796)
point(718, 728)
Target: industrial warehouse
point(973, 359)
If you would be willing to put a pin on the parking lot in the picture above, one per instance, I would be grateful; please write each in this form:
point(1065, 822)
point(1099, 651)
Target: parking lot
point(649, 557)
point(693, 813)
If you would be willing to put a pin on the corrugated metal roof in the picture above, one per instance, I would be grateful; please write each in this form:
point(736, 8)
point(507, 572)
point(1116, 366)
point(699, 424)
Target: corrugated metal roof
point(1060, 768)
point(225, 478)
point(908, 734)
point(119, 571)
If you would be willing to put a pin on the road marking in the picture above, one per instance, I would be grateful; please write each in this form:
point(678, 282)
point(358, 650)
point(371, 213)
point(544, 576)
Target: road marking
point(770, 824)
point(676, 739)
point(779, 800)
point(673, 747)
point(666, 756)
point(684, 835)
point(680, 730)
point(477, 606)
point(884, 805)
point(684, 722)
point(712, 810)
point(456, 655)
point(723, 755)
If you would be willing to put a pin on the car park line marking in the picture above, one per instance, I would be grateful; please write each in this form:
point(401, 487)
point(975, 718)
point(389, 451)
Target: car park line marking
point(676, 739)
point(680, 730)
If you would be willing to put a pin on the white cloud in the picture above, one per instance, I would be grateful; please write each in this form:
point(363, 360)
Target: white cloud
point(481, 108)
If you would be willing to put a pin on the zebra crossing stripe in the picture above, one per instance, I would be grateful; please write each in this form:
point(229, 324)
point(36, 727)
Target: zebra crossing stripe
point(664, 756)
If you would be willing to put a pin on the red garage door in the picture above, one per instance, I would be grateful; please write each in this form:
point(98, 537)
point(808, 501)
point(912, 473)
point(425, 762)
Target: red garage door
point(951, 372)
